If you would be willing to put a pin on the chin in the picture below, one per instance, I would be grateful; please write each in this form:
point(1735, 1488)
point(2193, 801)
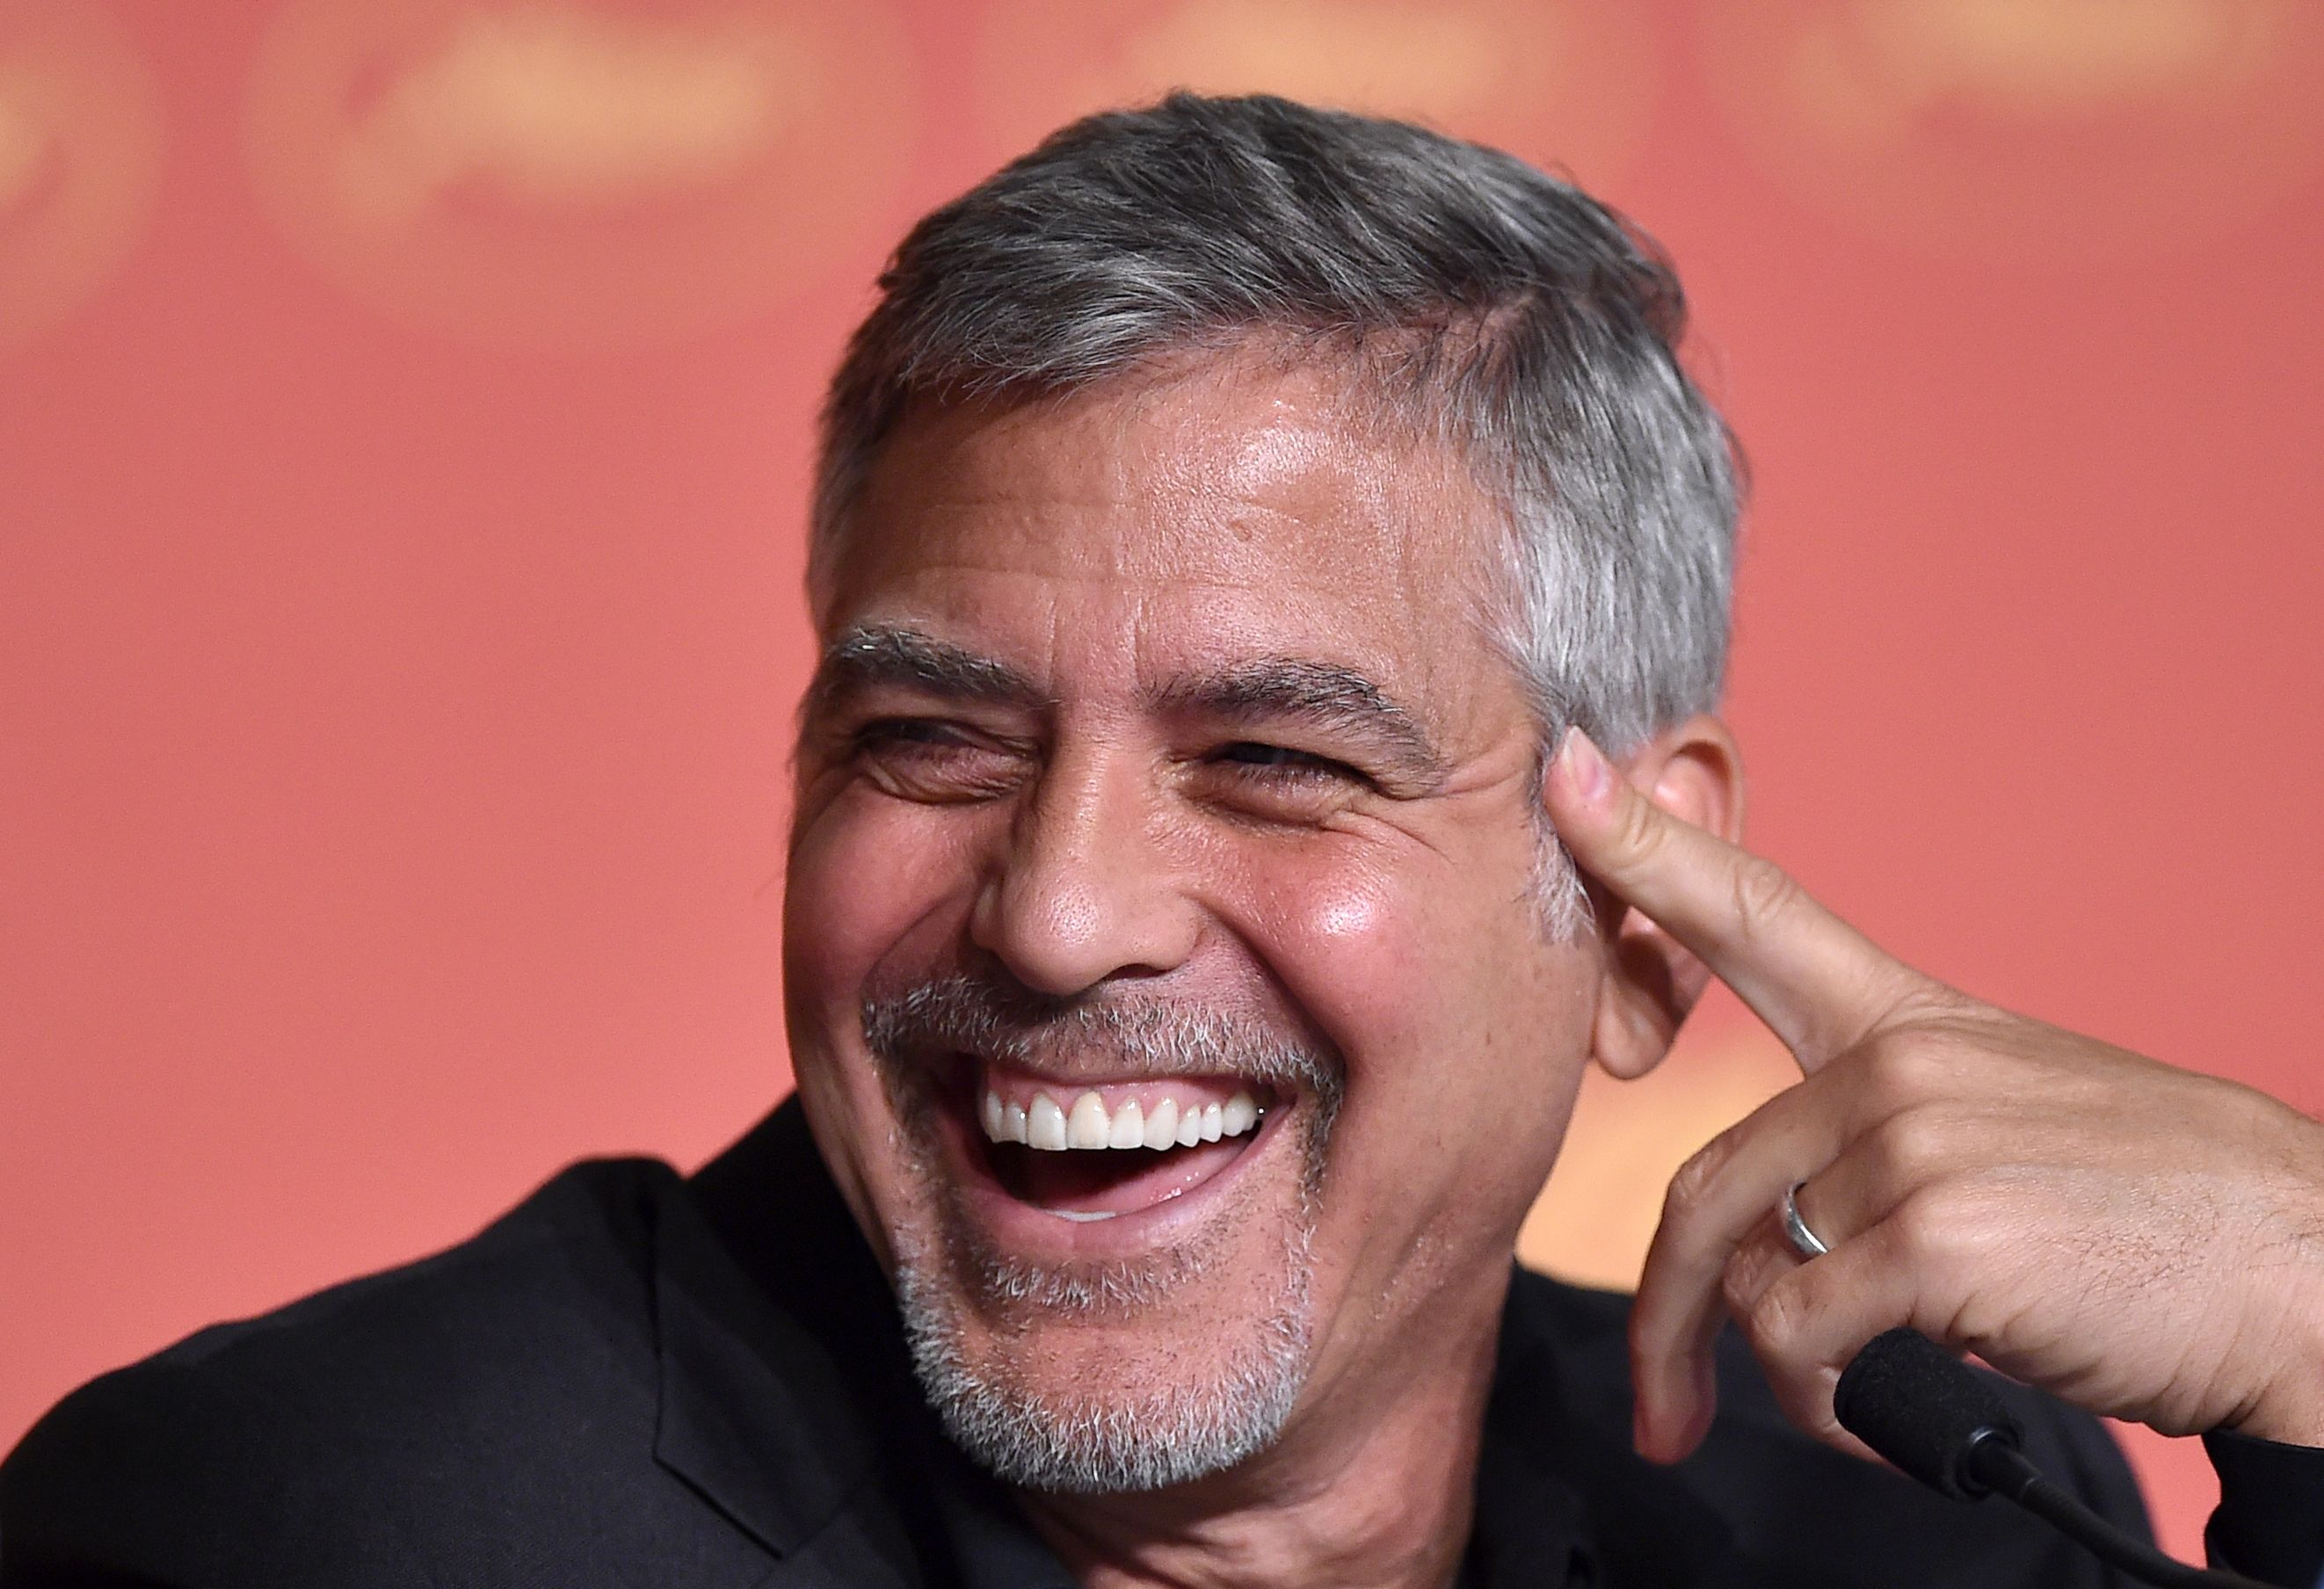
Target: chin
point(1109, 1385)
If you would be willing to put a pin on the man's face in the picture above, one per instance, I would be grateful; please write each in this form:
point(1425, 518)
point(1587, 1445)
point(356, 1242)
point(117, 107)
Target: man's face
point(1159, 777)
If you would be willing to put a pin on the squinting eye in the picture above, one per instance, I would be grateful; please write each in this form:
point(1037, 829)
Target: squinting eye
point(930, 760)
point(1246, 753)
point(905, 730)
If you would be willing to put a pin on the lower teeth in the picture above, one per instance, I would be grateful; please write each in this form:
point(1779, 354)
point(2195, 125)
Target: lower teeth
point(1078, 1218)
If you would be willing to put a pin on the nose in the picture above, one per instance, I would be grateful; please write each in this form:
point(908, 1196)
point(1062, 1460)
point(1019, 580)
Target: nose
point(1086, 890)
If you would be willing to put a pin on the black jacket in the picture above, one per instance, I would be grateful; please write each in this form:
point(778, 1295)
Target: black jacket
point(636, 1379)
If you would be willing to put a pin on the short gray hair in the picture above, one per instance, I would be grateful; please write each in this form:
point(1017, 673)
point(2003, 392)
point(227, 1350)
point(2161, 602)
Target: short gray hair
point(1496, 308)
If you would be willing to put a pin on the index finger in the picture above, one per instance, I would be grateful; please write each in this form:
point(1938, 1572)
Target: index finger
point(1818, 983)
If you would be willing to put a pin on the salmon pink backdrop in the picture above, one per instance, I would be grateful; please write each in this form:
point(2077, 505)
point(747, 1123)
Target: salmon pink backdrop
point(404, 421)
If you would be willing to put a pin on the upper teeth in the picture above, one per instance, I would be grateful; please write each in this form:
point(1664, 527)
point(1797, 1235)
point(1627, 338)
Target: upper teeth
point(1047, 1125)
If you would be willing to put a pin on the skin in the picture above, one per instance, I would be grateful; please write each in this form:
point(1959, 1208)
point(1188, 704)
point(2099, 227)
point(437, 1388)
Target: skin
point(2012, 1190)
point(1104, 838)
point(2139, 1240)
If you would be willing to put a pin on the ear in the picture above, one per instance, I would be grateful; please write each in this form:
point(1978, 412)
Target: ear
point(1650, 982)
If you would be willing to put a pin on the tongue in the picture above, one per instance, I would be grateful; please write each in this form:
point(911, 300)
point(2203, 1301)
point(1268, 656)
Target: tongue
point(1118, 1182)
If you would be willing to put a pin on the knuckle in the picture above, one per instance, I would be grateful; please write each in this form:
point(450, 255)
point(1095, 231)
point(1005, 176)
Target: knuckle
point(1640, 834)
point(1740, 1284)
point(1764, 894)
point(1912, 1146)
point(1684, 1196)
point(2251, 1114)
point(1776, 1319)
point(1937, 1230)
point(1690, 1188)
point(1899, 1071)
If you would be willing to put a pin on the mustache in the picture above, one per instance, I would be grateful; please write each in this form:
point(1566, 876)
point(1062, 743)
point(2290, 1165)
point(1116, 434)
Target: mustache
point(1155, 1037)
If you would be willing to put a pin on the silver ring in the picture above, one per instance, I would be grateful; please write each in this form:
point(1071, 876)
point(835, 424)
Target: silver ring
point(1804, 1242)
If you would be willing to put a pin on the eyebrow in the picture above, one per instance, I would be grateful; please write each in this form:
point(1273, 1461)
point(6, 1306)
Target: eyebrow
point(873, 656)
point(1324, 695)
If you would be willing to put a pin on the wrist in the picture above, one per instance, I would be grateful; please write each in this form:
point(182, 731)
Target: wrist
point(2290, 1407)
point(2293, 1421)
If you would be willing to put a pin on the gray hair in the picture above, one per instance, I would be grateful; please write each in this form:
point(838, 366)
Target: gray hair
point(1500, 309)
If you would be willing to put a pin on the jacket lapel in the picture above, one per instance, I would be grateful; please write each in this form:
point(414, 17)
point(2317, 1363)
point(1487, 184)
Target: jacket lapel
point(799, 1423)
point(750, 1415)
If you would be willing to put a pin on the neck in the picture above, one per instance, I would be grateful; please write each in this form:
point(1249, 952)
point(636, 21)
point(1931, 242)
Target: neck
point(1372, 1488)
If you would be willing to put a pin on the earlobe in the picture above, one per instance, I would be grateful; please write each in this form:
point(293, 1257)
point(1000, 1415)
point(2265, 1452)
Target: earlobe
point(1650, 982)
point(1648, 985)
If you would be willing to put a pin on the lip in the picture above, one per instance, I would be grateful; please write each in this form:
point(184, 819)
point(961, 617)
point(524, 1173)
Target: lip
point(1019, 1227)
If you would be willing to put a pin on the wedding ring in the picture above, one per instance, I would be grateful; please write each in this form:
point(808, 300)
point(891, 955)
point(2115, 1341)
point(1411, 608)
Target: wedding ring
point(1804, 1242)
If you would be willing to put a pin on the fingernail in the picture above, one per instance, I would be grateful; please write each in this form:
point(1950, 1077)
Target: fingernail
point(1586, 765)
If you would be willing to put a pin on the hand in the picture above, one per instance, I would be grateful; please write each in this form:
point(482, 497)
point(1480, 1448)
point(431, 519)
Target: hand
point(2145, 1242)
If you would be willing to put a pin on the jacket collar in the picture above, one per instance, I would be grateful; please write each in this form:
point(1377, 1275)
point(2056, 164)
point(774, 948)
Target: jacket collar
point(1558, 1480)
point(765, 1409)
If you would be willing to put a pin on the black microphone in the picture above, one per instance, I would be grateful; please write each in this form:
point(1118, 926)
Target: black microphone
point(1924, 1410)
point(1940, 1421)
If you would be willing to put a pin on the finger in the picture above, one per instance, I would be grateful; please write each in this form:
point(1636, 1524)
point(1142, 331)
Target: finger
point(1715, 1202)
point(1676, 1401)
point(1816, 981)
point(1884, 1164)
point(1765, 1256)
point(1807, 1322)
point(1765, 1260)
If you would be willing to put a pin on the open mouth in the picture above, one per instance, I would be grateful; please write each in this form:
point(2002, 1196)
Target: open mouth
point(1093, 1152)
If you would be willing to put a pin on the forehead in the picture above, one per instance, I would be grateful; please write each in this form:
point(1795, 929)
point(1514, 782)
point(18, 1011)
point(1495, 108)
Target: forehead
point(1230, 504)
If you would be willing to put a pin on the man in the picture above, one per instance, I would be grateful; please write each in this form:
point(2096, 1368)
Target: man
point(1240, 527)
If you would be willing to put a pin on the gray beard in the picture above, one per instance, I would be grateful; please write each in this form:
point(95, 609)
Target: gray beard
point(1232, 1394)
point(1230, 1405)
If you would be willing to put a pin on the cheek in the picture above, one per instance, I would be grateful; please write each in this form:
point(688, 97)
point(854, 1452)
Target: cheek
point(1463, 1027)
point(848, 922)
point(845, 922)
point(1395, 961)
point(864, 872)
